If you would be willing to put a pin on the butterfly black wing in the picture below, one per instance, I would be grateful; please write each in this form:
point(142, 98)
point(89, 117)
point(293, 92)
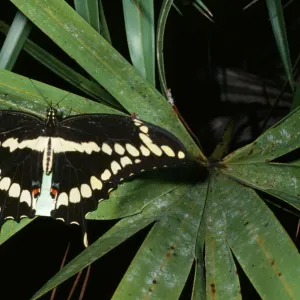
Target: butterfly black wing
point(88, 156)
point(105, 150)
point(21, 174)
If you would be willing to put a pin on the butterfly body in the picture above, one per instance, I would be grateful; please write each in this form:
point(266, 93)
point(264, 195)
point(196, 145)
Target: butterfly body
point(87, 155)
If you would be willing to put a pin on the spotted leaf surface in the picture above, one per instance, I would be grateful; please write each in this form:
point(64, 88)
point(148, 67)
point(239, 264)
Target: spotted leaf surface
point(280, 139)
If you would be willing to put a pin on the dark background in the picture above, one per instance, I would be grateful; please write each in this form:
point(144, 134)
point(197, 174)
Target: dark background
point(195, 51)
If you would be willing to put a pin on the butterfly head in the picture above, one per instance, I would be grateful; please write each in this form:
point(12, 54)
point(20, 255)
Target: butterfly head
point(52, 119)
point(51, 112)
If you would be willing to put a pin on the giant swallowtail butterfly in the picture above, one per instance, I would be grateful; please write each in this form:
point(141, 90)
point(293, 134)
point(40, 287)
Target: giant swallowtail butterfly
point(88, 155)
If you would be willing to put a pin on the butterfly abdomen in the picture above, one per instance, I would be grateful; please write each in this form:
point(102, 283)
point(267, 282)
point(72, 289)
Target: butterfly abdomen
point(48, 157)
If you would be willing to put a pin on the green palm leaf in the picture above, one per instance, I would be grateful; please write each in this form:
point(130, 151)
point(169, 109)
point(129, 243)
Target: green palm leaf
point(214, 222)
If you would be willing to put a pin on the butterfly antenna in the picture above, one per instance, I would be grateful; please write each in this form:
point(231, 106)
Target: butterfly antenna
point(64, 97)
point(57, 103)
point(44, 98)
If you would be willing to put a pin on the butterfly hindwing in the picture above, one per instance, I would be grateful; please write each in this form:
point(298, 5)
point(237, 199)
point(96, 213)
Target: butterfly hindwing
point(71, 190)
point(20, 171)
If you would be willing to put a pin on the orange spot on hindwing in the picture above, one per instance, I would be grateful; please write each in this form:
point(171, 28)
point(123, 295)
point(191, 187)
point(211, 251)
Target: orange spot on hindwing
point(53, 193)
point(36, 192)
